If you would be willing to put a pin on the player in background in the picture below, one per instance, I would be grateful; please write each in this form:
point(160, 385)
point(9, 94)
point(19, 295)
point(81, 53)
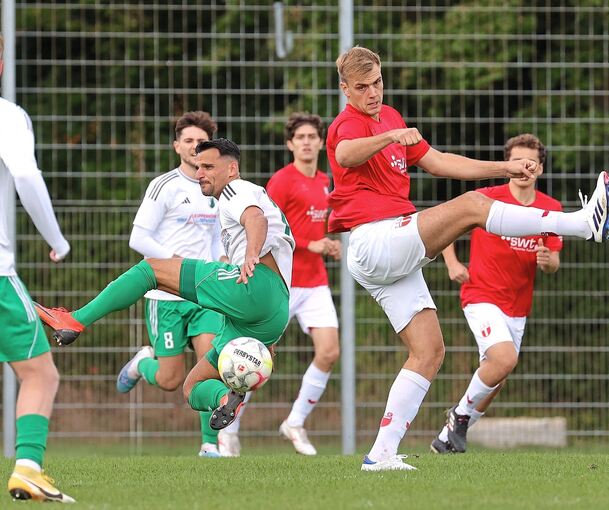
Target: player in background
point(370, 149)
point(497, 293)
point(176, 220)
point(251, 291)
point(23, 343)
point(301, 190)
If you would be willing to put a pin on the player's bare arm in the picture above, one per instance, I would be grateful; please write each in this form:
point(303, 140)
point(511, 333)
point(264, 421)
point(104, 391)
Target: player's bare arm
point(457, 272)
point(446, 164)
point(352, 153)
point(256, 226)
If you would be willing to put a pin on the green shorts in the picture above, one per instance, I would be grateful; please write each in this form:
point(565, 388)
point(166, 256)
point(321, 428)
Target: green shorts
point(171, 324)
point(258, 309)
point(22, 334)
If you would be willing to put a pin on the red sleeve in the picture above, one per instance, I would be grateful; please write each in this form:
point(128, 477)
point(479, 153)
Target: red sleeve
point(416, 152)
point(278, 191)
point(350, 129)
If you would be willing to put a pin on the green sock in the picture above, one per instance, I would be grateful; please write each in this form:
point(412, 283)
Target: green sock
point(148, 367)
point(32, 432)
point(208, 435)
point(206, 395)
point(118, 294)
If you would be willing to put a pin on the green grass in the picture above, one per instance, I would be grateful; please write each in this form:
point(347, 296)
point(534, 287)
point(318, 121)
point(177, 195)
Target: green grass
point(481, 479)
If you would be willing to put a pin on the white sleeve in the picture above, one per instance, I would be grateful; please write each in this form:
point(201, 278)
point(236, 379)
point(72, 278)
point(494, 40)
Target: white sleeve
point(240, 195)
point(18, 156)
point(142, 241)
point(151, 211)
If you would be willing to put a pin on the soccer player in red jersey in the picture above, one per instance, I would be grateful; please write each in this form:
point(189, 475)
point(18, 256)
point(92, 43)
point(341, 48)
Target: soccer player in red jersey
point(370, 149)
point(497, 293)
point(300, 190)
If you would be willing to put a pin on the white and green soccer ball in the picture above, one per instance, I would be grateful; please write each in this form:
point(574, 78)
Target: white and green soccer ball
point(245, 364)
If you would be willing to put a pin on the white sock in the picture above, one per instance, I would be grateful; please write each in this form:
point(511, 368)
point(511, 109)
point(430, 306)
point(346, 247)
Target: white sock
point(233, 428)
point(473, 418)
point(403, 403)
point(513, 220)
point(29, 464)
point(314, 383)
point(476, 392)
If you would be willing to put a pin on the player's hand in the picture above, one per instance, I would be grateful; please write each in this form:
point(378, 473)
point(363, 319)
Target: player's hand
point(247, 268)
point(406, 136)
point(543, 255)
point(56, 258)
point(523, 168)
point(335, 250)
point(322, 246)
point(458, 273)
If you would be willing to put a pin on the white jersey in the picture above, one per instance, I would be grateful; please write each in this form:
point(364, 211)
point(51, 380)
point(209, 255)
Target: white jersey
point(182, 219)
point(237, 196)
point(18, 165)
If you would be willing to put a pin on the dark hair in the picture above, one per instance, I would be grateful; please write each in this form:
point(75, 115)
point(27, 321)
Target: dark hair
point(525, 140)
point(225, 146)
point(298, 119)
point(199, 119)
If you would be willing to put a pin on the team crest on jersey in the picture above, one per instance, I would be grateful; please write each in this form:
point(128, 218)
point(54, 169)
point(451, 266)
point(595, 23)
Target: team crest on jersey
point(485, 330)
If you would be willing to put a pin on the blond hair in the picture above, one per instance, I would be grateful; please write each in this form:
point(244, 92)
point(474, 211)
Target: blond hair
point(357, 60)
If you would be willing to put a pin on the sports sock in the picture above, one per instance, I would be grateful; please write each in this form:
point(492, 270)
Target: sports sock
point(405, 398)
point(32, 432)
point(474, 417)
point(513, 220)
point(476, 392)
point(208, 435)
point(233, 428)
point(206, 395)
point(313, 385)
point(148, 367)
point(118, 294)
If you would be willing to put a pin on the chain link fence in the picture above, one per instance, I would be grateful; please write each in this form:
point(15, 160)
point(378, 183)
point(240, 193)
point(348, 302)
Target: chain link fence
point(104, 82)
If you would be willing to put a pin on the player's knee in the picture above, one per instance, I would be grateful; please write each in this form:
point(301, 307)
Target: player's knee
point(329, 356)
point(477, 206)
point(506, 363)
point(169, 382)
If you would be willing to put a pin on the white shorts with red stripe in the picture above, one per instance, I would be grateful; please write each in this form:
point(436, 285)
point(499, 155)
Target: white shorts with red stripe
point(491, 326)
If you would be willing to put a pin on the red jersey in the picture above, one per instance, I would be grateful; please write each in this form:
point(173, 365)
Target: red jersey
point(304, 201)
point(378, 188)
point(502, 269)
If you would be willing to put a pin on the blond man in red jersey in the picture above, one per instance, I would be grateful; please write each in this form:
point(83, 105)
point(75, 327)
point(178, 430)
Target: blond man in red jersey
point(370, 149)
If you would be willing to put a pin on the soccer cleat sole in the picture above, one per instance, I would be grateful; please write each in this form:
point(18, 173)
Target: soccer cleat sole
point(65, 337)
point(226, 414)
point(20, 494)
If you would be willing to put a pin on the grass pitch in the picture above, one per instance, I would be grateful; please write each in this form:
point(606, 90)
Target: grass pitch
point(481, 479)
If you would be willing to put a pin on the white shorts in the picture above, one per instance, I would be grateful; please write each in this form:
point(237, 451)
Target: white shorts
point(313, 307)
point(385, 257)
point(491, 326)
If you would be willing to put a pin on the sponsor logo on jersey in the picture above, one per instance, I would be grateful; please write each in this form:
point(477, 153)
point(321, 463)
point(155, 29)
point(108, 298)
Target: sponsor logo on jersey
point(197, 219)
point(387, 419)
point(521, 243)
point(398, 164)
point(317, 215)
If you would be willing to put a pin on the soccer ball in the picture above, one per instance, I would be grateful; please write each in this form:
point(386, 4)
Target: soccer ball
point(245, 364)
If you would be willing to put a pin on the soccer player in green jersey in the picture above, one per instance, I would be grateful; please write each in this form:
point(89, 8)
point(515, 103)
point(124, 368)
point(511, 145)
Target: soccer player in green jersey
point(251, 291)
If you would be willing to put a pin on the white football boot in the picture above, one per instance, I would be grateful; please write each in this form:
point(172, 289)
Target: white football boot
point(210, 451)
point(129, 375)
point(596, 209)
point(299, 438)
point(394, 463)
